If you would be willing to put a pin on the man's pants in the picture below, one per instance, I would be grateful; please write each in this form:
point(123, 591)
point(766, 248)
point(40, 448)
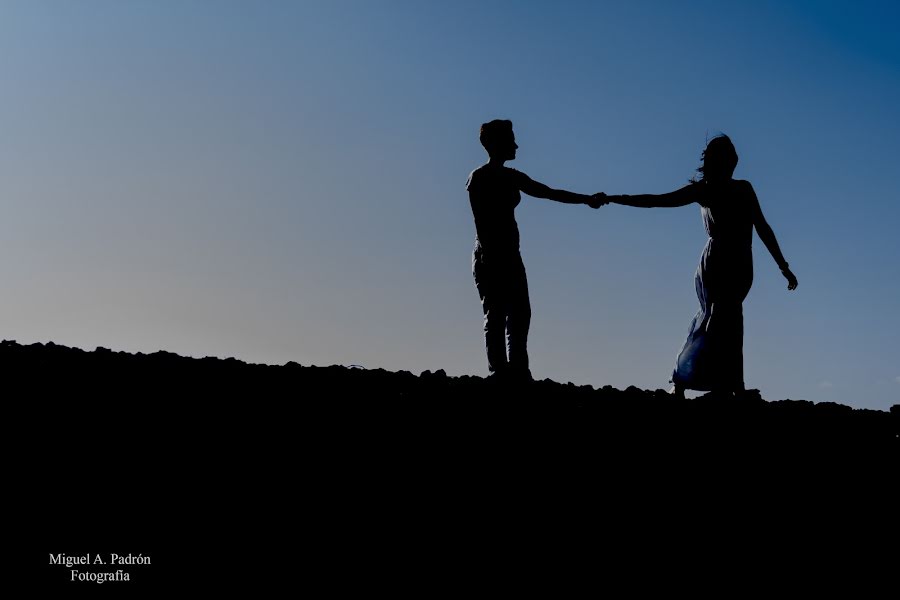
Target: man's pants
point(503, 289)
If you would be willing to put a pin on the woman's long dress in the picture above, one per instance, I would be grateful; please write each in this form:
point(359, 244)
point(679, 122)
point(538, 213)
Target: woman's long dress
point(712, 357)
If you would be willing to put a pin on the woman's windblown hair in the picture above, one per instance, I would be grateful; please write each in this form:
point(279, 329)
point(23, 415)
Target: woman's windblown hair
point(719, 159)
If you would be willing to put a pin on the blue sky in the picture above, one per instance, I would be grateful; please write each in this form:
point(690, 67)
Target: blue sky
point(285, 180)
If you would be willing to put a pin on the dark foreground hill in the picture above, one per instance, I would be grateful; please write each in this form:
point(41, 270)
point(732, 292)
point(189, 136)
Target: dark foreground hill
point(202, 461)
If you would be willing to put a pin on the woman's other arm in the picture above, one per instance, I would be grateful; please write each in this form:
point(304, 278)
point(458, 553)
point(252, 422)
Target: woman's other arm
point(764, 230)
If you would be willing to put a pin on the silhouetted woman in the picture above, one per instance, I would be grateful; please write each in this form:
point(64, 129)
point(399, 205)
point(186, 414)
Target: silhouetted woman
point(712, 357)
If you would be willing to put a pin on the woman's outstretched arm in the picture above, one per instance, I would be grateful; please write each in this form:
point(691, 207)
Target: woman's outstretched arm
point(681, 197)
point(764, 230)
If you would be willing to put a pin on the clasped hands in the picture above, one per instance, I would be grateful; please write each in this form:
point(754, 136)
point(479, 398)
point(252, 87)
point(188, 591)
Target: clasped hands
point(597, 200)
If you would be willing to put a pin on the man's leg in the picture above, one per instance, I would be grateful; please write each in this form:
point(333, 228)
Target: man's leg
point(518, 321)
point(491, 293)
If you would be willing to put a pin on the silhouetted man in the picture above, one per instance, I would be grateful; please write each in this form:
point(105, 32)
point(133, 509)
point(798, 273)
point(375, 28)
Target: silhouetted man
point(494, 193)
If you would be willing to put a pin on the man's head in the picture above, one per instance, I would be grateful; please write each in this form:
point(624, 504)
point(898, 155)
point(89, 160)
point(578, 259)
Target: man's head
point(498, 139)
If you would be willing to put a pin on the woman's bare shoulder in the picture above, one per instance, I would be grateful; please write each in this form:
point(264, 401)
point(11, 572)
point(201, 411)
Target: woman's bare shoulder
point(743, 185)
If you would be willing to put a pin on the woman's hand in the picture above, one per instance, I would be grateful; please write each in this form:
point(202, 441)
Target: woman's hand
point(791, 278)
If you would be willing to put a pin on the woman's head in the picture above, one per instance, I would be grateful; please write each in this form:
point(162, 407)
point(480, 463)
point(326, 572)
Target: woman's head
point(498, 139)
point(719, 159)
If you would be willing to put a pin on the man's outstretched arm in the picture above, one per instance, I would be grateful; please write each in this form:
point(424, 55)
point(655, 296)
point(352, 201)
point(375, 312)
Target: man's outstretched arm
point(537, 189)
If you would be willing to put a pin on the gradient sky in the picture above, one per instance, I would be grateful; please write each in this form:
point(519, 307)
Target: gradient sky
point(284, 181)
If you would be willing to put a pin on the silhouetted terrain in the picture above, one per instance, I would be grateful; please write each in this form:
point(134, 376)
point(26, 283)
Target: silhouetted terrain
point(164, 392)
point(194, 458)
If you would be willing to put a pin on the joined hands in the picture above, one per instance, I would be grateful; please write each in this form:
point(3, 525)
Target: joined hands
point(597, 200)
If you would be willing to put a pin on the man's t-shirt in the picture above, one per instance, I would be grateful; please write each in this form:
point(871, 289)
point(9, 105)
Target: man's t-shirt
point(494, 195)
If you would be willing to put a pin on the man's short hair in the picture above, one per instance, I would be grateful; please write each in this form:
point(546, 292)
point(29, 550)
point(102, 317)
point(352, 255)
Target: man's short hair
point(494, 132)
